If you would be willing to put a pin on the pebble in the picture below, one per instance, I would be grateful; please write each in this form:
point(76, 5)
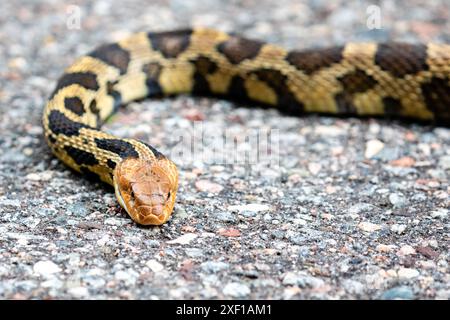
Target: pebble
point(353, 287)
point(194, 252)
point(397, 200)
point(41, 176)
point(407, 273)
point(302, 280)
point(253, 207)
point(398, 228)
point(225, 216)
point(385, 248)
point(369, 227)
point(184, 239)
point(46, 268)
point(401, 292)
point(373, 147)
point(236, 290)
point(9, 202)
point(129, 276)
point(78, 292)
point(214, 266)
point(208, 186)
point(444, 162)
point(406, 250)
point(154, 265)
point(440, 213)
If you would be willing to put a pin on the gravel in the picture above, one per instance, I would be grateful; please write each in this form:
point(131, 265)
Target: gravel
point(345, 208)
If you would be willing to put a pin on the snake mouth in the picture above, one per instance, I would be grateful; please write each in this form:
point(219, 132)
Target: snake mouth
point(119, 196)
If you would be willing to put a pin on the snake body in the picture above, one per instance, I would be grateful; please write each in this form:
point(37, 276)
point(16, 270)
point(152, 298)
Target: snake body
point(366, 79)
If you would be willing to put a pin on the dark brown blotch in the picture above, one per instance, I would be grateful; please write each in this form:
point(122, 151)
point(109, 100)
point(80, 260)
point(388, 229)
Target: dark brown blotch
point(238, 49)
point(203, 67)
point(111, 164)
point(310, 61)
point(60, 124)
point(113, 55)
point(392, 107)
point(357, 81)
point(81, 157)
point(75, 105)
point(90, 175)
point(152, 71)
point(170, 43)
point(120, 147)
point(400, 59)
point(286, 101)
point(87, 80)
point(436, 93)
point(344, 102)
point(111, 91)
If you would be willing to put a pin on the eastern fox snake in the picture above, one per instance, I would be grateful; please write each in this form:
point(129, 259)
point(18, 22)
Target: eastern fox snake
point(390, 79)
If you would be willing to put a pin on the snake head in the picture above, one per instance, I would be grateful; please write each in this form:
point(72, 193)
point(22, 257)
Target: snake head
point(146, 189)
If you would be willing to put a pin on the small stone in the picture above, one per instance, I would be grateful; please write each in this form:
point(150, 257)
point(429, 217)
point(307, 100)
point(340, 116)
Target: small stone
point(440, 213)
point(46, 268)
point(214, 266)
point(229, 232)
point(225, 216)
point(314, 167)
point(208, 186)
point(115, 222)
point(406, 250)
point(253, 207)
point(129, 277)
point(353, 287)
point(78, 210)
point(154, 265)
point(397, 200)
point(444, 162)
point(194, 252)
point(428, 252)
point(407, 273)
point(398, 228)
point(184, 239)
point(41, 176)
point(78, 292)
point(403, 162)
point(236, 290)
point(369, 227)
point(385, 248)
point(302, 280)
point(9, 202)
point(373, 147)
point(402, 292)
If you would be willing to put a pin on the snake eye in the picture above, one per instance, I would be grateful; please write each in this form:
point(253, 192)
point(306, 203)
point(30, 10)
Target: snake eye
point(168, 196)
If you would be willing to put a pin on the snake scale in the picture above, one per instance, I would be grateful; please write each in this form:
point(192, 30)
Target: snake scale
point(366, 79)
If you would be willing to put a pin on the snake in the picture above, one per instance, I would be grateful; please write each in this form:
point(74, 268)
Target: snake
point(403, 80)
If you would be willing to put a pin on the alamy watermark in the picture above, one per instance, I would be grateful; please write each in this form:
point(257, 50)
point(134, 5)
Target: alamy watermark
point(207, 145)
point(373, 17)
point(73, 17)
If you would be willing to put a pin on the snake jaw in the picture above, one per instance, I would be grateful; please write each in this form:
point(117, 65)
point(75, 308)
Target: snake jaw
point(145, 189)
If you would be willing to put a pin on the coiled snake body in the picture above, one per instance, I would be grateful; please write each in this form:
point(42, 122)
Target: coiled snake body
point(391, 79)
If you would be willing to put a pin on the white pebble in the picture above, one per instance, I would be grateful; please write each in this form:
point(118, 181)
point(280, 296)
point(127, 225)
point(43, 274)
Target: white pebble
point(369, 227)
point(184, 239)
point(407, 273)
point(373, 147)
point(46, 268)
point(154, 265)
point(236, 290)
